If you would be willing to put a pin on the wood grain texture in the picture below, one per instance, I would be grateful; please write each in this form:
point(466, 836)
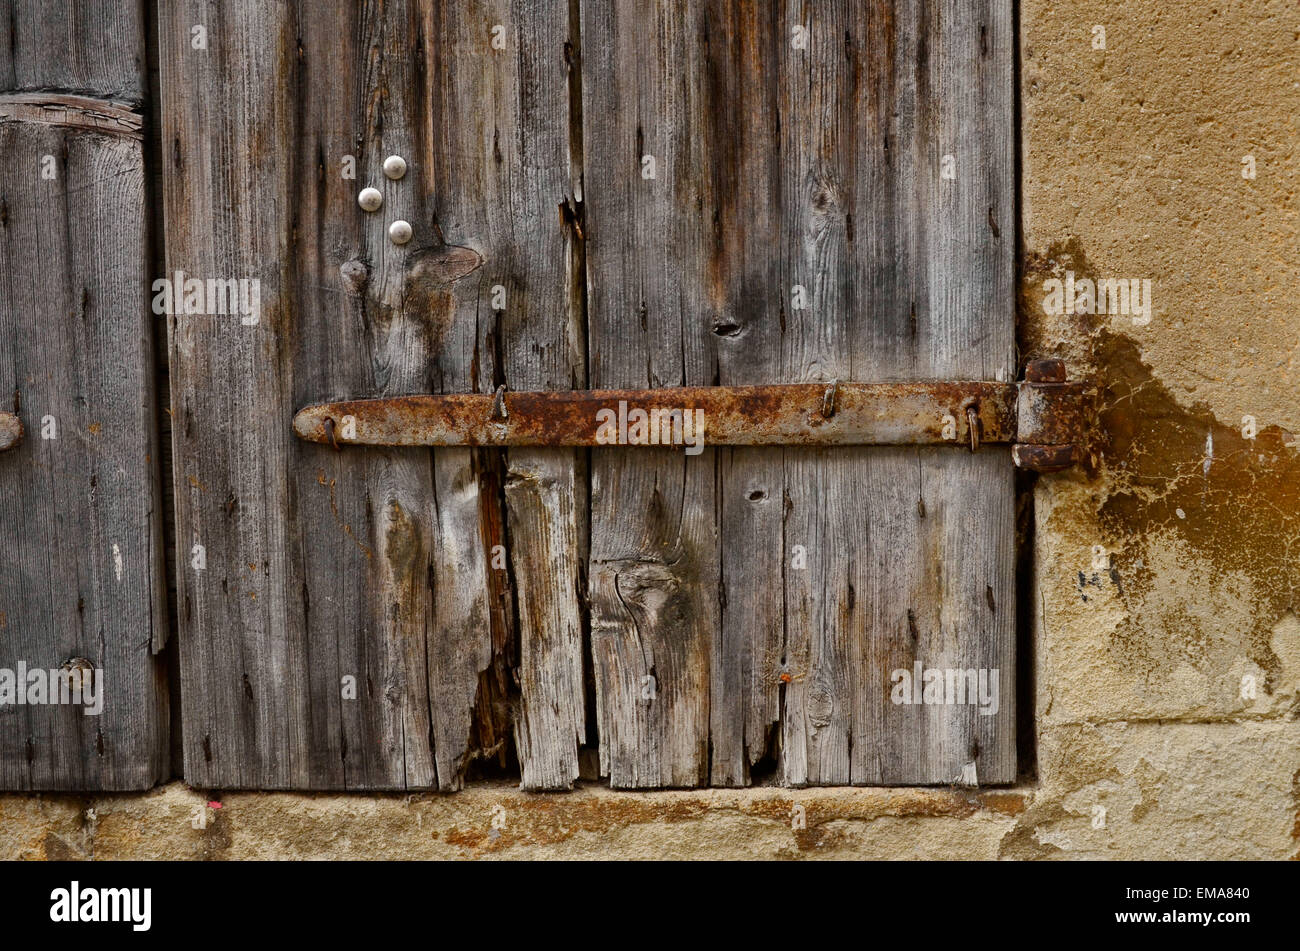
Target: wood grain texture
point(227, 125)
point(80, 508)
point(93, 49)
point(741, 270)
point(377, 565)
point(502, 128)
point(800, 227)
point(73, 112)
point(654, 545)
point(909, 276)
point(747, 604)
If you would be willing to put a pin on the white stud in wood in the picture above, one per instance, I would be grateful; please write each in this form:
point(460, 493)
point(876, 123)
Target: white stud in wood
point(370, 199)
point(400, 231)
point(394, 167)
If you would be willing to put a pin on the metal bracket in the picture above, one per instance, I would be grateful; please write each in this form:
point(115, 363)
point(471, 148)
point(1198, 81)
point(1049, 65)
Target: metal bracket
point(1045, 418)
point(1054, 418)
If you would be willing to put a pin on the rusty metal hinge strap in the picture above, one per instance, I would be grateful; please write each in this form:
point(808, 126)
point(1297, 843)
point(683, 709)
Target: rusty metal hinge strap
point(1044, 418)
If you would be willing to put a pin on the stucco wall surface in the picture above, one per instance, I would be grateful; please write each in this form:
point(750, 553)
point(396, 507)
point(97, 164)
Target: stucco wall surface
point(1167, 576)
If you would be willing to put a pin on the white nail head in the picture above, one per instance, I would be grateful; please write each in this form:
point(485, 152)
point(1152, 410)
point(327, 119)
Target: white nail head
point(400, 231)
point(394, 166)
point(370, 199)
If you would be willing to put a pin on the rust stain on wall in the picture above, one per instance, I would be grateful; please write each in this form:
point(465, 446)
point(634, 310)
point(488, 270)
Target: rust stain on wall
point(1167, 472)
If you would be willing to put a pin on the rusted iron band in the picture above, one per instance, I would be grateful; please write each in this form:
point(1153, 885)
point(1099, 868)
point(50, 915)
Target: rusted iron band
point(798, 414)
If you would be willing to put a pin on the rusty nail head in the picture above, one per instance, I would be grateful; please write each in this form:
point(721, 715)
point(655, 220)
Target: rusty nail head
point(1045, 371)
point(329, 431)
point(499, 404)
point(828, 399)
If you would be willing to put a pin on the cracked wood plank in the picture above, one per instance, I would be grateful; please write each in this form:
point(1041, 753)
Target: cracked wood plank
point(505, 182)
point(80, 503)
point(654, 546)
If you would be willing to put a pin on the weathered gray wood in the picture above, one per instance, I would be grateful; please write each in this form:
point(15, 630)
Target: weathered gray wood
point(502, 133)
point(94, 49)
point(776, 165)
point(750, 668)
point(654, 547)
point(80, 510)
point(547, 493)
point(741, 273)
point(375, 565)
point(909, 276)
point(798, 230)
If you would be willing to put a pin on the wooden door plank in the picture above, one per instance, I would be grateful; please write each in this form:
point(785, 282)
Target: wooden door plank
point(90, 49)
point(909, 275)
point(744, 310)
point(227, 124)
point(654, 548)
point(375, 565)
point(305, 555)
point(499, 82)
point(80, 506)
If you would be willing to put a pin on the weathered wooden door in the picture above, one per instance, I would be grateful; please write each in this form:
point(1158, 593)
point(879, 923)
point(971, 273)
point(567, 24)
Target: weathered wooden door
point(350, 626)
point(604, 194)
point(591, 194)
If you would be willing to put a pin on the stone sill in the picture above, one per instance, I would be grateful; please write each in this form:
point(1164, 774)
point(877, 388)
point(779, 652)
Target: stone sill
point(497, 820)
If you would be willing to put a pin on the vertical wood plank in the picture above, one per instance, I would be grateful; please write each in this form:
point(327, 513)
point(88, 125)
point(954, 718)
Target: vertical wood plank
point(228, 124)
point(91, 49)
point(742, 271)
point(909, 277)
point(80, 507)
point(499, 84)
point(654, 546)
point(307, 556)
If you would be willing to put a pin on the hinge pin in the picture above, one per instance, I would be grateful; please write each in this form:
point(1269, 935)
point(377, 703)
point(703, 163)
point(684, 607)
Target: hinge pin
point(1041, 412)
